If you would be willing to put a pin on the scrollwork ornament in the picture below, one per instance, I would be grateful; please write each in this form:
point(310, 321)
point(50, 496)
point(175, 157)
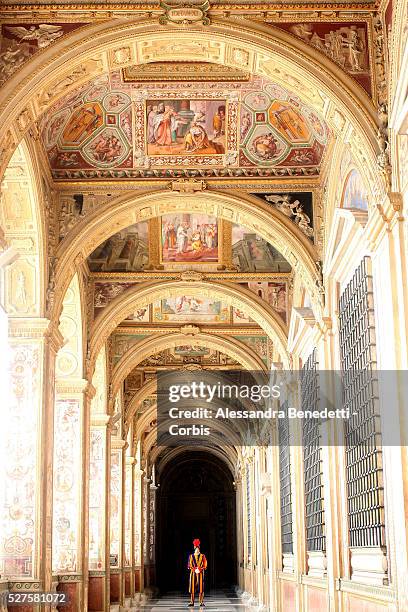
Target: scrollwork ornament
point(379, 60)
point(50, 294)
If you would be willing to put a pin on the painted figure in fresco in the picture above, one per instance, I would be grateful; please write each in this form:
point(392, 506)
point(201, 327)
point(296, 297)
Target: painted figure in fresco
point(182, 238)
point(196, 138)
point(196, 242)
point(219, 122)
point(151, 114)
point(197, 564)
point(265, 146)
point(82, 123)
point(161, 125)
point(245, 124)
point(289, 122)
point(106, 148)
point(170, 236)
point(165, 123)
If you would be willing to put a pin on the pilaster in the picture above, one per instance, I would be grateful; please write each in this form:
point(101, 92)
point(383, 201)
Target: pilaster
point(34, 344)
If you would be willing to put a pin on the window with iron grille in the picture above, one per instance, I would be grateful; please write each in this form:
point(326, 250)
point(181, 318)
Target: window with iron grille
point(285, 483)
point(312, 462)
point(365, 499)
point(249, 514)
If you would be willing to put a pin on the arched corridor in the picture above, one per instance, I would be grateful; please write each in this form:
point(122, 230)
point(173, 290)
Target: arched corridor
point(197, 194)
point(196, 497)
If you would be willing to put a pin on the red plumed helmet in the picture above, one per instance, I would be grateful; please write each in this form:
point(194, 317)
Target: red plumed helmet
point(196, 543)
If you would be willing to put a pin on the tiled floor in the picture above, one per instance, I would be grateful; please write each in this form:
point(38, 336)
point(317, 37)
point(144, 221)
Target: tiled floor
point(214, 602)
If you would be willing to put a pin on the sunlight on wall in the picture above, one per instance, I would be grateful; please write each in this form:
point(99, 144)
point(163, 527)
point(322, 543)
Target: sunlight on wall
point(67, 489)
point(19, 468)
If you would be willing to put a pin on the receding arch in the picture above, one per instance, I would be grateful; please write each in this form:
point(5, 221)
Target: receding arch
point(265, 50)
point(145, 293)
point(140, 351)
point(244, 209)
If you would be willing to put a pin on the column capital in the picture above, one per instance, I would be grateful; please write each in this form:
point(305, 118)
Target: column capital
point(74, 386)
point(118, 444)
point(384, 217)
point(100, 420)
point(33, 327)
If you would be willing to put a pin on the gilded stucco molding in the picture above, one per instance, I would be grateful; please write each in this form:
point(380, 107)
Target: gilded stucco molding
point(137, 353)
point(144, 294)
point(246, 210)
point(255, 47)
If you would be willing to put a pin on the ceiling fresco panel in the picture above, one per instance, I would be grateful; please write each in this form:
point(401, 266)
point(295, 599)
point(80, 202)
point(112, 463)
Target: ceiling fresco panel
point(113, 128)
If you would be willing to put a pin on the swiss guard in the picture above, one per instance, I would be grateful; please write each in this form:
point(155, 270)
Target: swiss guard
point(197, 564)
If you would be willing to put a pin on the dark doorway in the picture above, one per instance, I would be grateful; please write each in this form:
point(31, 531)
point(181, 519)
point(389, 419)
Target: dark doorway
point(196, 499)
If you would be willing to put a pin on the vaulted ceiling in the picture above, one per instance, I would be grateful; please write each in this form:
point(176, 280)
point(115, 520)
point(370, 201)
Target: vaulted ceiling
point(120, 126)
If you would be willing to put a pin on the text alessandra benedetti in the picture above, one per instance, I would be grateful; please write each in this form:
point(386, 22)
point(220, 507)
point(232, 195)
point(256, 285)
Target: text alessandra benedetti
point(228, 413)
point(291, 413)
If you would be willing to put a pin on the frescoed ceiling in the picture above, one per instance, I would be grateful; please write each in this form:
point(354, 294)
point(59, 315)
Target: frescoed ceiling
point(118, 128)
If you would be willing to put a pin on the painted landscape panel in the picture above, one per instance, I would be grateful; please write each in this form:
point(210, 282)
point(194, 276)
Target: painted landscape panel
point(251, 253)
point(126, 251)
point(188, 308)
point(273, 293)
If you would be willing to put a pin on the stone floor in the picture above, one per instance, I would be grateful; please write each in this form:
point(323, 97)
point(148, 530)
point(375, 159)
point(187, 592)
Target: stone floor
point(219, 601)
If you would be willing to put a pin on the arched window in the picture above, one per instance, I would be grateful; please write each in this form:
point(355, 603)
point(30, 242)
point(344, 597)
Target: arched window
point(354, 192)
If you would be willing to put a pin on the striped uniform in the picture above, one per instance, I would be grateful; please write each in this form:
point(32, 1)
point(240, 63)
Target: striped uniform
point(197, 578)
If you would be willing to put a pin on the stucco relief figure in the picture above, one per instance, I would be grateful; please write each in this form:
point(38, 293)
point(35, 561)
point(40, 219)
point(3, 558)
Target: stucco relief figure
point(20, 296)
point(355, 50)
point(294, 210)
point(11, 59)
point(345, 45)
point(44, 34)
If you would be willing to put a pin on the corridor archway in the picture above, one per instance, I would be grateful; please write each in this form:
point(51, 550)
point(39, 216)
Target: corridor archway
point(196, 499)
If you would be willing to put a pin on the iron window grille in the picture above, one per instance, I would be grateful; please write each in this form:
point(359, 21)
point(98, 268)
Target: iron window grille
point(285, 484)
point(363, 451)
point(249, 514)
point(312, 462)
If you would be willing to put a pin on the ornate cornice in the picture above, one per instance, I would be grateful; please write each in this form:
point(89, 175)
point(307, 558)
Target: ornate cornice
point(126, 9)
